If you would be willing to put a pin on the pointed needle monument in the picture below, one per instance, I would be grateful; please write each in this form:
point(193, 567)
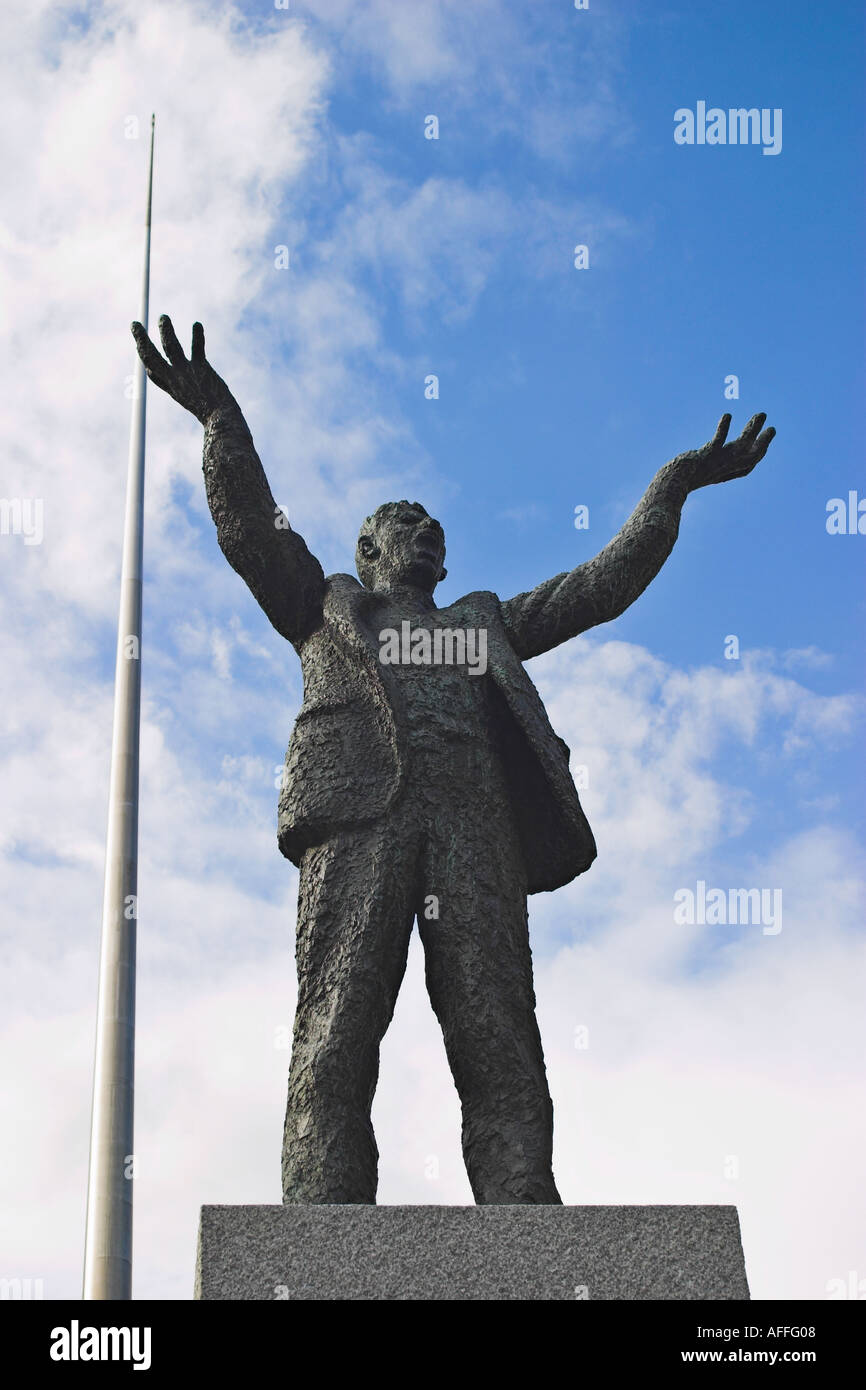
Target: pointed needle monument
point(108, 1238)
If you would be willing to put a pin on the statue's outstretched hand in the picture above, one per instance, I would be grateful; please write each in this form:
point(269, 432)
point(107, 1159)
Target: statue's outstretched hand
point(192, 382)
point(718, 462)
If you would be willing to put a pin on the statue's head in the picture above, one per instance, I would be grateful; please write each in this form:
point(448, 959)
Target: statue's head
point(400, 544)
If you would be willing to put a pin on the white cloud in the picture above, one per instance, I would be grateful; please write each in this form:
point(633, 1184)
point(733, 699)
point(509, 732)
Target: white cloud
point(491, 58)
point(699, 1050)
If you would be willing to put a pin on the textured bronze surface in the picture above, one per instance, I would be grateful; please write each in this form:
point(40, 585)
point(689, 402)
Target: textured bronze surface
point(420, 791)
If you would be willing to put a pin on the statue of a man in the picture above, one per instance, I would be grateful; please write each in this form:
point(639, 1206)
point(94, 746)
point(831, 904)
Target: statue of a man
point(418, 788)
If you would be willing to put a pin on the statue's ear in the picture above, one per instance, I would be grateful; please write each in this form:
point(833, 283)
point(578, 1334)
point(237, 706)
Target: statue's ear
point(368, 547)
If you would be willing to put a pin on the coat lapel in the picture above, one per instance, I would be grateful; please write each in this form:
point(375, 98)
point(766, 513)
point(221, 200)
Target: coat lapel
point(350, 613)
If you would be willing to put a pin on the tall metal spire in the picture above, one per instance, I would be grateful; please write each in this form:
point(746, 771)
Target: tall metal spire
point(108, 1239)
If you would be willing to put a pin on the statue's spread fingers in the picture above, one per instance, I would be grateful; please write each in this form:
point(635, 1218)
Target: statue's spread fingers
point(753, 429)
point(763, 442)
point(197, 350)
point(155, 366)
point(721, 433)
point(170, 345)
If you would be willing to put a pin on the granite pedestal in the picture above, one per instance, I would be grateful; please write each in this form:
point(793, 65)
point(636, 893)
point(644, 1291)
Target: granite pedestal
point(481, 1253)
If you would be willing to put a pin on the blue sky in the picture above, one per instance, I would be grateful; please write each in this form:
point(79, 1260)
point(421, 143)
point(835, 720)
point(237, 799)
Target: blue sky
point(558, 387)
point(563, 387)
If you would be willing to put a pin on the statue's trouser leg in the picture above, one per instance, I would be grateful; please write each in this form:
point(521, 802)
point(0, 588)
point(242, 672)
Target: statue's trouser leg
point(479, 976)
point(355, 915)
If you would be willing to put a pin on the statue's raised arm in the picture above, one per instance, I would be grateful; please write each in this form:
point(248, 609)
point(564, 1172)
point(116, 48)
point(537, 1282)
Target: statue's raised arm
point(254, 535)
point(602, 588)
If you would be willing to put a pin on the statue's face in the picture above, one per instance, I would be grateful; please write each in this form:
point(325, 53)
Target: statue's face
point(405, 546)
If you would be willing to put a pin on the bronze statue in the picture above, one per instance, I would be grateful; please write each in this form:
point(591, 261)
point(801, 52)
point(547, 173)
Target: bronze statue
point(420, 788)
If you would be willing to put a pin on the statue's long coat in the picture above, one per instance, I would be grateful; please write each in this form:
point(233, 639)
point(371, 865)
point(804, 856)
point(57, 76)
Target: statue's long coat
point(347, 758)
